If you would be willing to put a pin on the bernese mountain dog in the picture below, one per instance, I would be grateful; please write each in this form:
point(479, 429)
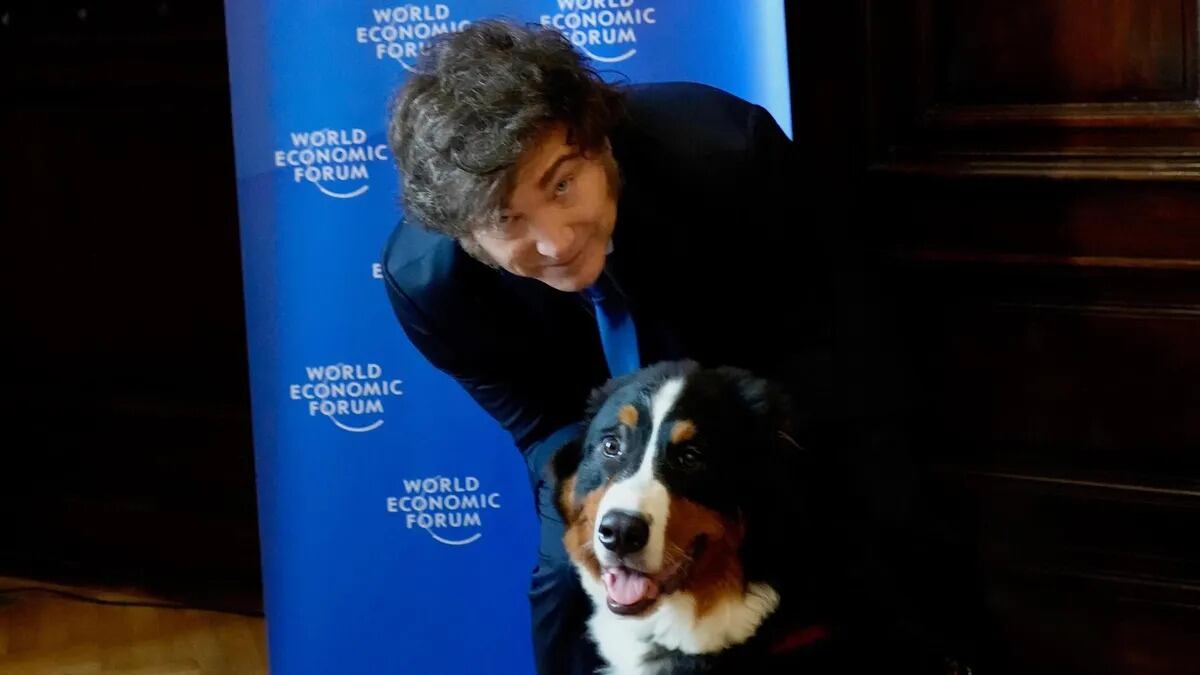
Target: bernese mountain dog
point(692, 521)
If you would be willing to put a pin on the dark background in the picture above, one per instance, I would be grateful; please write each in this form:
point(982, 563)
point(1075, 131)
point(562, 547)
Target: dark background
point(128, 454)
point(1021, 176)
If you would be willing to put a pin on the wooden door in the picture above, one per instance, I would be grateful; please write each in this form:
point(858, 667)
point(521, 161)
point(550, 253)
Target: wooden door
point(1028, 174)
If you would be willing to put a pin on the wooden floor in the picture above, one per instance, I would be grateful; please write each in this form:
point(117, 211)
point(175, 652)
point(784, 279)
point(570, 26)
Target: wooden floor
point(42, 634)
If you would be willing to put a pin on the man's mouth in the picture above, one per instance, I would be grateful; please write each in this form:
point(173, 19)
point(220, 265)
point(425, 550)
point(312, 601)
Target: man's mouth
point(569, 261)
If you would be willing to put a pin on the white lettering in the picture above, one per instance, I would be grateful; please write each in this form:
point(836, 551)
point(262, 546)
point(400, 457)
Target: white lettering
point(581, 27)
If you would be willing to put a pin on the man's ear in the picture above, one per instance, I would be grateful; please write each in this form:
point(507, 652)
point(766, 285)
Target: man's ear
point(563, 466)
point(473, 249)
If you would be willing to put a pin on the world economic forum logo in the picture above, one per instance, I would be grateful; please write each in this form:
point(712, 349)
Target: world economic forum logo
point(605, 30)
point(451, 509)
point(402, 32)
point(337, 161)
point(351, 396)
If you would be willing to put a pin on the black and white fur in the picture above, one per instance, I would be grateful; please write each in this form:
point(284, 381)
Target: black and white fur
point(739, 472)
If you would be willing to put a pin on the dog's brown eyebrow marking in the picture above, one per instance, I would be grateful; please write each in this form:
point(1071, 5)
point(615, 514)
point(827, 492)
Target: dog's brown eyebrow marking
point(628, 415)
point(684, 430)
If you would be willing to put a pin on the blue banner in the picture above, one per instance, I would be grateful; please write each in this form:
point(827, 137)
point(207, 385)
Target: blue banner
point(396, 518)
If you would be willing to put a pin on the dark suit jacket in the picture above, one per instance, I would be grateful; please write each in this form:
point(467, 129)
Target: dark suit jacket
point(725, 260)
point(711, 247)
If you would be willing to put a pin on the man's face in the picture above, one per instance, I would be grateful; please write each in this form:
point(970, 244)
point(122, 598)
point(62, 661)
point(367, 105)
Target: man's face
point(559, 217)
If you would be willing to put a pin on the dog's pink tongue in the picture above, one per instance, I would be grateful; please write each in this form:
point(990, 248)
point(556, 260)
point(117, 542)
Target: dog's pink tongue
point(627, 587)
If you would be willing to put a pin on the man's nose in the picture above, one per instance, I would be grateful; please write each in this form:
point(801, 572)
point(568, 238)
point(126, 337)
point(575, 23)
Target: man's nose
point(554, 238)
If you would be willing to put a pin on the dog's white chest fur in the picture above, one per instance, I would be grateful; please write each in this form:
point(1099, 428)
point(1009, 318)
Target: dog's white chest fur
point(625, 642)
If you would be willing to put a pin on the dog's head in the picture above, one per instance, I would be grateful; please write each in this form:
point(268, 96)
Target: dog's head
point(676, 486)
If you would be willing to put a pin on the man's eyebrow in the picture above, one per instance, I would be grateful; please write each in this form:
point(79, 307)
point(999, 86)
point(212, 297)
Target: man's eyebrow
point(549, 173)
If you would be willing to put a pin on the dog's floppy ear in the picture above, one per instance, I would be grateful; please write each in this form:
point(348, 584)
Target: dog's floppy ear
point(566, 459)
point(781, 468)
point(770, 403)
point(600, 394)
point(563, 466)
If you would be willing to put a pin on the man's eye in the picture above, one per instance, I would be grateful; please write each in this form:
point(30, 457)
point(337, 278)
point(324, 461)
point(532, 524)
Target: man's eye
point(503, 227)
point(563, 185)
point(611, 446)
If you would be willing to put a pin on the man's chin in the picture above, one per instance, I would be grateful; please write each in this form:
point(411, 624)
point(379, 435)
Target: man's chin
point(571, 285)
point(573, 282)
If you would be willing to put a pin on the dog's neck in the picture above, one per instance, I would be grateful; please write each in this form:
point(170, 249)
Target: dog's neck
point(627, 642)
point(730, 622)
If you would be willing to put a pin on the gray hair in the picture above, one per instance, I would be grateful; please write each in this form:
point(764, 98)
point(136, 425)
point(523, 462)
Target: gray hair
point(481, 97)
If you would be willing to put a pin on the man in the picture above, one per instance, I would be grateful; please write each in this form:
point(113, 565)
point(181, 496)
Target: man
point(560, 231)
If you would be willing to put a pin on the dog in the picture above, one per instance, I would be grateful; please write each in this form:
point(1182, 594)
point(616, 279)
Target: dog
point(693, 521)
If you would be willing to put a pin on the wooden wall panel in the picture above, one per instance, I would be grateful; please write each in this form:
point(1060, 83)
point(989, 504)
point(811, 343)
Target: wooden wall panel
point(1031, 182)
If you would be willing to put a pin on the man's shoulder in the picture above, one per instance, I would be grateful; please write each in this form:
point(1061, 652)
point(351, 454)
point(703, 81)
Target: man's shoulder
point(648, 97)
point(420, 263)
point(691, 117)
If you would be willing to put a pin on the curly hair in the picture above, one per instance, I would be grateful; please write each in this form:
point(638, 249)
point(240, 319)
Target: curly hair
point(481, 97)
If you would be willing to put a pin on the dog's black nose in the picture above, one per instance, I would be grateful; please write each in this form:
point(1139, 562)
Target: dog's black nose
point(623, 533)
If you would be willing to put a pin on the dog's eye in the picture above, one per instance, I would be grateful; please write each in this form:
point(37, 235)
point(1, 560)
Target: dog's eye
point(611, 446)
point(689, 457)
